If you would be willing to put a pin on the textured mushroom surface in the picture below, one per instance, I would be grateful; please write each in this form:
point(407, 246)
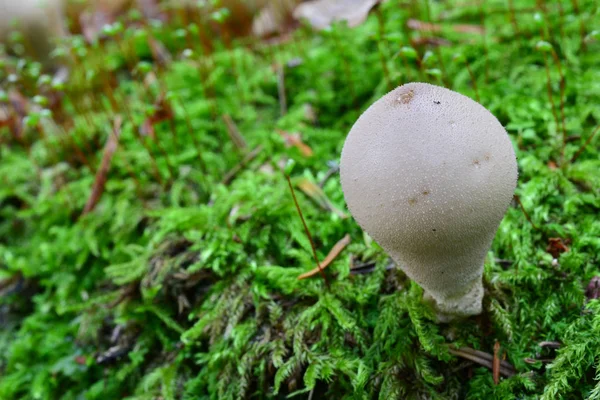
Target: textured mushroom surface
point(40, 21)
point(429, 174)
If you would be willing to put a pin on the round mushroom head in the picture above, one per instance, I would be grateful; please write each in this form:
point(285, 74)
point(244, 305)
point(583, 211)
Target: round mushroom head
point(429, 174)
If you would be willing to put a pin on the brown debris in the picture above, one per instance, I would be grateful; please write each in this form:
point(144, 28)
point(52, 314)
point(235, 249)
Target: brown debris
point(422, 26)
point(162, 112)
point(234, 133)
point(322, 13)
point(333, 253)
point(294, 139)
point(313, 191)
point(235, 170)
point(102, 172)
point(484, 359)
point(593, 288)
point(496, 363)
point(556, 247)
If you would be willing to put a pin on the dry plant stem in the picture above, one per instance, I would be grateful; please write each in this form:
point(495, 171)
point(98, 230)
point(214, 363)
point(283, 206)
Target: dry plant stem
point(496, 363)
point(406, 69)
point(552, 105)
point(518, 200)
point(380, 42)
point(193, 137)
point(584, 145)
point(115, 105)
point(78, 153)
point(234, 134)
point(581, 24)
point(310, 239)
point(332, 255)
point(235, 170)
point(513, 18)
point(562, 85)
point(484, 359)
point(101, 176)
point(281, 89)
point(346, 65)
point(483, 40)
point(473, 80)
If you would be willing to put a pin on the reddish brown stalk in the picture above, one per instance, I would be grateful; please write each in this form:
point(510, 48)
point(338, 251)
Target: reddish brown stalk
point(562, 85)
point(496, 363)
point(584, 145)
point(473, 80)
point(78, 152)
point(115, 105)
point(346, 65)
point(513, 18)
point(553, 106)
point(331, 256)
point(235, 170)
point(518, 200)
point(406, 68)
point(581, 24)
point(380, 42)
point(193, 136)
point(281, 89)
point(102, 173)
point(312, 243)
point(483, 39)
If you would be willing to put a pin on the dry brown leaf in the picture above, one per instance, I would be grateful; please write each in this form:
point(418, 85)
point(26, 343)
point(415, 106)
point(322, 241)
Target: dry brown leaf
point(102, 172)
point(333, 253)
point(313, 191)
point(496, 363)
point(234, 133)
point(429, 27)
point(322, 13)
point(294, 139)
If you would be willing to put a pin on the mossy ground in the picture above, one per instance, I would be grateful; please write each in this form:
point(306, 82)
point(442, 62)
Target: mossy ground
point(181, 282)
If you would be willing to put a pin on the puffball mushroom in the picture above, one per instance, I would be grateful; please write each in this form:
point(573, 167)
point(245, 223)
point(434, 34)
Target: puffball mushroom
point(40, 22)
point(429, 173)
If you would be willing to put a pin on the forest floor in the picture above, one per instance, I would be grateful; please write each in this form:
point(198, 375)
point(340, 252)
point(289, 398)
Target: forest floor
point(150, 246)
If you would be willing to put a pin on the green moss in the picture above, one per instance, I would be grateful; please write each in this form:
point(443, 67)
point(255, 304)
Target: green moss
point(181, 285)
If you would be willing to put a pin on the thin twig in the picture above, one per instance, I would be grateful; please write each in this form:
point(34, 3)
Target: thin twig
point(281, 89)
point(518, 200)
point(310, 239)
point(235, 170)
point(584, 145)
point(484, 359)
point(333, 253)
point(234, 134)
point(102, 173)
point(496, 363)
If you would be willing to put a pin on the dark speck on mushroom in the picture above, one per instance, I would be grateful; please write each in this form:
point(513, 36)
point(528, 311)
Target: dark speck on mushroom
point(437, 102)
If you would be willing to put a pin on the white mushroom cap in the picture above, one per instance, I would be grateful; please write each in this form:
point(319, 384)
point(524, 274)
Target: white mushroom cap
point(429, 174)
point(40, 21)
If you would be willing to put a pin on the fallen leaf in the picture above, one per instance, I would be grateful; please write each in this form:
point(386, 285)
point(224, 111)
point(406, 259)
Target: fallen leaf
point(322, 13)
point(313, 191)
point(496, 363)
point(273, 18)
point(484, 359)
point(102, 172)
point(294, 139)
point(234, 134)
point(333, 253)
point(417, 25)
